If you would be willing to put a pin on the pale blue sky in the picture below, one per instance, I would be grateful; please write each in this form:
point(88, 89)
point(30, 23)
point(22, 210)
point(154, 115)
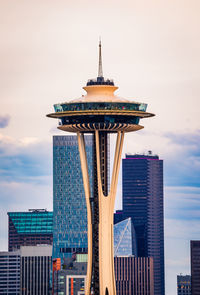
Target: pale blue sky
point(48, 50)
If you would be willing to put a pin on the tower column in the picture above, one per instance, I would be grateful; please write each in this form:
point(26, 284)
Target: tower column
point(86, 184)
point(105, 268)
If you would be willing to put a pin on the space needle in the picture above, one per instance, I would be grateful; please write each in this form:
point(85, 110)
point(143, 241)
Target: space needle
point(100, 112)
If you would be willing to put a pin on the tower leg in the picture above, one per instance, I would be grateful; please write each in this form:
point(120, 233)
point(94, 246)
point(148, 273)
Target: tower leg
point(86, 183)
point(105, 267)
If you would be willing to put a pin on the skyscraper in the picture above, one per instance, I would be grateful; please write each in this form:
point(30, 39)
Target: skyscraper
point(142, 189)
point(69, 207)
point(195, 266)
point(30, 228)
point(100, 112)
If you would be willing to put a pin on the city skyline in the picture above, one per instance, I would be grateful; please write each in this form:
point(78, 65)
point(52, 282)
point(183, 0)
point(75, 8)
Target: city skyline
point(40, 67)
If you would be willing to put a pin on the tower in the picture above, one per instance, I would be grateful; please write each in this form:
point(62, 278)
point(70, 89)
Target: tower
point(69, 208)
point(142, 190)
point(100, 112)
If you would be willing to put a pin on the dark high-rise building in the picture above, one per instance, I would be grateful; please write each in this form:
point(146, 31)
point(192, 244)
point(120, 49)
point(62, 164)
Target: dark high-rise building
point(134, 275)
point(142, 188)
point(183, 285)
point(195, 266)
point(29, 228)
point(118, 216)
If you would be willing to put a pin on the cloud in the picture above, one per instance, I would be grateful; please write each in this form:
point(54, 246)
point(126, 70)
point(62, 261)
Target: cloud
point(25, 177)
point(180, 152)
point(4, 121)
point(24, 160)
point(182, 207)
point(183, 167)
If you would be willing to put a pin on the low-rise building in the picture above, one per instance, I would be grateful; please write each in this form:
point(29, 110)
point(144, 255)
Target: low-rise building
point(10, 273)
point(183, 285)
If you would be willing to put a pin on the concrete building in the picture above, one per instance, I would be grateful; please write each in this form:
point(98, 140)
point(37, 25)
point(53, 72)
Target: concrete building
point(100, 112)
point(10, 273)
point(29, 228)
point(71, 279)
point(184, 285)
point(195, 266)
point(134, 275)
point(35, 269)
point(142, 197)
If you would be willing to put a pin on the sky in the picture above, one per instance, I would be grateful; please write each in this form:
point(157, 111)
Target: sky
point(151, 48)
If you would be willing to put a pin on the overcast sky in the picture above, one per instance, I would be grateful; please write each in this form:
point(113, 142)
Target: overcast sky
point(48, 50)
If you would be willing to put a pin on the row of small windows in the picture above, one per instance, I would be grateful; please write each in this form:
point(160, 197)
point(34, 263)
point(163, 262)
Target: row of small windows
point(73, 250)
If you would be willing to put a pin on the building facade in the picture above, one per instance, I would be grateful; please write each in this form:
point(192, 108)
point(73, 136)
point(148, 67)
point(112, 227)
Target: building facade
point(30, 228)
point(195, 266)
point(118, 216)
point(35, 269)
point(10, 273)
point(71, 279)
point(134, 275)
point(142, 189)
point(184, 285)
point(69, 207)
point(124, 238)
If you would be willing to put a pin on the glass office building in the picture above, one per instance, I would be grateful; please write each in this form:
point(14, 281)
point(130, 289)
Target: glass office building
point(29, 228)
point(69, 206)
point(142, 188)
point(124, 238)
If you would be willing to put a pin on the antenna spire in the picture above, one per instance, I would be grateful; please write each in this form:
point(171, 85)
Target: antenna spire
point(100, 70)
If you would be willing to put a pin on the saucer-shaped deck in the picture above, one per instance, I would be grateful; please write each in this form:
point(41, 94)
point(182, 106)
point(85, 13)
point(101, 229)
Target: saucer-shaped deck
point(100, 110)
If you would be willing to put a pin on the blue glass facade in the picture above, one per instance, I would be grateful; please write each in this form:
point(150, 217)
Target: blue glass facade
point(35, 222)
point(30, 228)
point(124, 238)
point(69, 208)
point(143, 202)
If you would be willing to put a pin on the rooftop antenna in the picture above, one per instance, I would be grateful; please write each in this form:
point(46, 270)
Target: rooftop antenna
point(100, 70)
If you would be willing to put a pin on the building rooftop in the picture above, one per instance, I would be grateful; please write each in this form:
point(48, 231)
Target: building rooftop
point(148, 155)
point(32, 222)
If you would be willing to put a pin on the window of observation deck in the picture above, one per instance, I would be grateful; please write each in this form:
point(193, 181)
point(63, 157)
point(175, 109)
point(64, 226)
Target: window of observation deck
point(87, 106)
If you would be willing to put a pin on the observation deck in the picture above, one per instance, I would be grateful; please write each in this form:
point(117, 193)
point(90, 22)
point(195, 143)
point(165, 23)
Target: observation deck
point(100, 109)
